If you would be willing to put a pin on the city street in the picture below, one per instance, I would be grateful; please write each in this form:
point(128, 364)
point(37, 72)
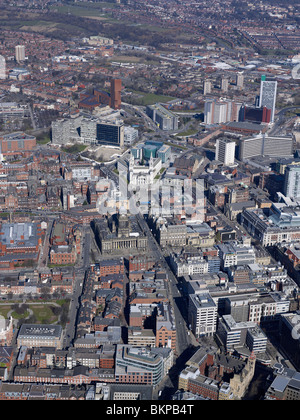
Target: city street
point(184, 340)
point(80, 273)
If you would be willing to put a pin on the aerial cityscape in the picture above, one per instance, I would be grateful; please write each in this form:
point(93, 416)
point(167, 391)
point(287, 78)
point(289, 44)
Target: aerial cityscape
point(150, 202)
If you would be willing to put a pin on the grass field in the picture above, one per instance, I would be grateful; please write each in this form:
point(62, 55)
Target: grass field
point(92, 10)
point(75, 148)
point(40, 313)
point(80, 8)
point(82, 19)
point(152, 98)
point(125, 59)
point(37, 25)
point(187, 133)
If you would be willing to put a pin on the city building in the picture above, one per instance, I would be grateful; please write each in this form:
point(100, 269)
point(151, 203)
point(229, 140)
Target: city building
point(168, 232)
point(20, 53)
point(119, 232)
point(131, 135)
point(285, 384)
point(12, 112)
point(216, 375)
point(268, 95)
point(165, 119)
point(110, 134)
point(34, 335)
point(221, 111)
point(165, 327)
point(89, 130)
point(44, 392)
point(81, 172)
point(281, 225)
point(99, 97)
point(20, 240)
point(255, 114)
point(66, 130)
point(266, 145)
point(63, 255)
point(141, 338)
point(142, 366)
point(289, 337)
point(236, 335)
point(202, 314)
point(225, 151)
point(232, 254)
point(3, 74)
point(240, 80)
point(292, 182)
point(207, 87)
point(140, 175)
point(140, 262)
point(189, 265)
point(164, 153)
point(15, 143)
point(96, 132)
point(224, 84)
point(99, 40)
point(155, 149)
point(115, 93)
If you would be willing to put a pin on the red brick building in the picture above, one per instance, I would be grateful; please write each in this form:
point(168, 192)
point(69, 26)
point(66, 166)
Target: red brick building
point(63, 254)
point(101, 97)
point(15, 143)
point(141, 262)
point(106, 267)
point(20, 238)
point(166, 337)
point(115, 93)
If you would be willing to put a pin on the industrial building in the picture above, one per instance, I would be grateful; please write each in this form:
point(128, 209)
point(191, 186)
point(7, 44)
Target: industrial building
point(20, 238)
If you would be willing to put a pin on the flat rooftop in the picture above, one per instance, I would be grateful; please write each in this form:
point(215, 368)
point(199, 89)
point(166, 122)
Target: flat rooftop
point(40, 331)
point(17, 136)
point(18, 234)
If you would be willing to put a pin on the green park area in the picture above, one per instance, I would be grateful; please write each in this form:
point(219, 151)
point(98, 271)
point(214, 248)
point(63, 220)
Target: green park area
point(37, 312)
point(144, 99)
point(75, 148)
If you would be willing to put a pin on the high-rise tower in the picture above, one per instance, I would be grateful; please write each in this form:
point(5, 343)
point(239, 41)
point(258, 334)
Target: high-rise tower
point(20, 53)
point(115, 93)
point(268, 94)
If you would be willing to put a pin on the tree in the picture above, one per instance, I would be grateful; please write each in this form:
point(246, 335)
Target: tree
point(57, 310)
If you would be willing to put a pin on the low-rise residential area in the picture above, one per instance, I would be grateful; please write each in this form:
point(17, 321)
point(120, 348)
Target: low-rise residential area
point(149, 202)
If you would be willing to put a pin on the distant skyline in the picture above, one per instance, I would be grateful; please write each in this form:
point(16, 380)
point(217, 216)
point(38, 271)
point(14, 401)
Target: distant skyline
point(149, 202)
